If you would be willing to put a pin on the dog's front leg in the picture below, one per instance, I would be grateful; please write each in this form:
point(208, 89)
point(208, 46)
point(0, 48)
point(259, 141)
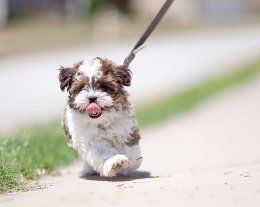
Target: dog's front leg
point(105, 159)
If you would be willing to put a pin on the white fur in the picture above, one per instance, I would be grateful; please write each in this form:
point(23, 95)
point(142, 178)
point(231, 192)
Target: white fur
point(104, 150)
point(91, 68)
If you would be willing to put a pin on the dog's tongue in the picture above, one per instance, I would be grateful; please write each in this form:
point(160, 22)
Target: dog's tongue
point(93, 108)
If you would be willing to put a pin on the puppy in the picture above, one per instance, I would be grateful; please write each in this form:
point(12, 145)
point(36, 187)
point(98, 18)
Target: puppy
point(99, 120)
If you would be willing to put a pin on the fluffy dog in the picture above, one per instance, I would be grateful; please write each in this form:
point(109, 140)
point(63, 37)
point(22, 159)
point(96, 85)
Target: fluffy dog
point(99, 120)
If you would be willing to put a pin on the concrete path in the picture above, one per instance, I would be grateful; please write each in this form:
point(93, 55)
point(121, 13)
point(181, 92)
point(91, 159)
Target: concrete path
point(207, 157)
point(29, 86)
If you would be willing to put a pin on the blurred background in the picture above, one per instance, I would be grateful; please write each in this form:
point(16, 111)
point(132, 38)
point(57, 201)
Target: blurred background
point(200, 50)
point(197, 40)
point(30, 25)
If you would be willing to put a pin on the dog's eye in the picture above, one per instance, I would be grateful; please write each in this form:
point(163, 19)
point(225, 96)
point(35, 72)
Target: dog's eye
point(79, 73)
point(103, 88)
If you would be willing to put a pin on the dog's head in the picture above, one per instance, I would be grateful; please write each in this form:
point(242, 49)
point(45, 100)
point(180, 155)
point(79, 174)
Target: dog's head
point(95, 85)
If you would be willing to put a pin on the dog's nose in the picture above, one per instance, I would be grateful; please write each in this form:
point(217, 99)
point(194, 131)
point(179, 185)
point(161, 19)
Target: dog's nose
point(92, 99)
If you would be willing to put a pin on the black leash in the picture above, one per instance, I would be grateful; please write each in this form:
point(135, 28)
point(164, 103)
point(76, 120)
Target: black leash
point(147, 33)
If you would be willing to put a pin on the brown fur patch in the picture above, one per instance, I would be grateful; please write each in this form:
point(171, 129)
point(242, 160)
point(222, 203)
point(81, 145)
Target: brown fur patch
point(66, 76)
point(116, 78)
point(134, 137)
point(121, 74)
point(70, 83)
point(66, 128)
point(121, 101)
point(78, 85)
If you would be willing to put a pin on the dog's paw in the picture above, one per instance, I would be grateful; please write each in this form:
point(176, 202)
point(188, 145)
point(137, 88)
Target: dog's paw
point(114, 165)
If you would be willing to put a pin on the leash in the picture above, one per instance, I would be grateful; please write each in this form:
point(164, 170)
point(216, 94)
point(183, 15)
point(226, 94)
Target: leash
point(140, 43)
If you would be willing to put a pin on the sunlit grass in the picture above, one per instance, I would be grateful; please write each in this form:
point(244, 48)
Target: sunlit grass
point(184, 100)
point(31, 152)
point(44, 148)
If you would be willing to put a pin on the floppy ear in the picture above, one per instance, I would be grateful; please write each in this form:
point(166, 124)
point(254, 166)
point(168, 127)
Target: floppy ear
point(66, 77)
point(123, 75)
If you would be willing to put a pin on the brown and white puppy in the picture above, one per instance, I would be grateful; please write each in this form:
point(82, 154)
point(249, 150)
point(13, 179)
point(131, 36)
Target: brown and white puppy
point(99, 120)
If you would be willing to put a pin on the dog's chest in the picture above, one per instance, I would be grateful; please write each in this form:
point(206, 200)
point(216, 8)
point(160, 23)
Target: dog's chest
point(116, 131)
point(120, 129)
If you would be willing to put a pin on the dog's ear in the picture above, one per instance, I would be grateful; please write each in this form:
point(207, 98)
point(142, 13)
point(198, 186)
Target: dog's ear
point(123, 75)
point(66, 77)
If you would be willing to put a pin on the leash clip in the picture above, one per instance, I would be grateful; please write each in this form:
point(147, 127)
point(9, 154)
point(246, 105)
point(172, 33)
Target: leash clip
point(132, 55)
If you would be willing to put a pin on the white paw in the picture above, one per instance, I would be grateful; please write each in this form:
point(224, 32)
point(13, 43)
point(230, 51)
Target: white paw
point(114, 165)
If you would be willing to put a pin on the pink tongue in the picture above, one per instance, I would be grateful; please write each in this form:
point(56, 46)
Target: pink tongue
point(93, 108)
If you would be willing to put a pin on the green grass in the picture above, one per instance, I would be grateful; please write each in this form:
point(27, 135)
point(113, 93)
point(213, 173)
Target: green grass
point(30, 152)
point(24, 155)
point(184, 100)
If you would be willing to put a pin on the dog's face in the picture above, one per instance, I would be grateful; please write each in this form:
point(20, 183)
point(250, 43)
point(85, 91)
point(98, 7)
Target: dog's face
point(95, 85)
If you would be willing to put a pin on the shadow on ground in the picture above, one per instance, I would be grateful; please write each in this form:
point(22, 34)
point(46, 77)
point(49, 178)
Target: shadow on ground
point(135, 175)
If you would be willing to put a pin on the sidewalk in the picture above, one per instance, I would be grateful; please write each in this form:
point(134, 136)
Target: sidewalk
point(207, 157)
